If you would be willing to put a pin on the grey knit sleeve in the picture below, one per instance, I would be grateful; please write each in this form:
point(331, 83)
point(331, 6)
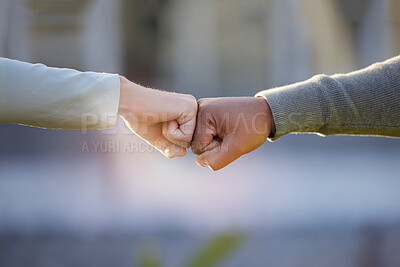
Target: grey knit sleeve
point(364, 102)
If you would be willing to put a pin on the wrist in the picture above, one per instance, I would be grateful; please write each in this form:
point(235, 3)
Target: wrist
point(132, 98)
point(270, 118)
point(125, 92)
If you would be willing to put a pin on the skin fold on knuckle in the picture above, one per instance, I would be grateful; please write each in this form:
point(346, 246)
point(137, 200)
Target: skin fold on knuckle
point(195, 143)
point(187, 133)
point(195, 148)
point(200, 143)
point(180, 138)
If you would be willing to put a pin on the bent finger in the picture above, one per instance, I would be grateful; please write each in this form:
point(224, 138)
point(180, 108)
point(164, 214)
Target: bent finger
point(202, 137)
point(168, 149)
point(177, 134)
point(219, 155)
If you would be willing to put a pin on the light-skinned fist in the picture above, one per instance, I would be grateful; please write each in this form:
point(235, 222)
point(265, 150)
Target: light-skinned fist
point(165, 120)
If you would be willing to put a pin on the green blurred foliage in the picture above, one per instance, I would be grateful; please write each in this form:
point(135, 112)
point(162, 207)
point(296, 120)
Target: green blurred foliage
point(215, 250)
point(210, 255)
point(149, 256)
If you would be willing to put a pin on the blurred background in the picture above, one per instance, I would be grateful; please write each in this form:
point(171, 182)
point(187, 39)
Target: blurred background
point(104, 198)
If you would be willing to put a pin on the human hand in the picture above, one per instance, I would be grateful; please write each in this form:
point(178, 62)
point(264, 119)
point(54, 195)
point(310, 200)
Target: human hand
point(227, 128)
point(165, 120)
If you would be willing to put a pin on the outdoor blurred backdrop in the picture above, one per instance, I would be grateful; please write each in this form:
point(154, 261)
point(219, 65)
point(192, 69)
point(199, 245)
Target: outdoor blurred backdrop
point(303, 200)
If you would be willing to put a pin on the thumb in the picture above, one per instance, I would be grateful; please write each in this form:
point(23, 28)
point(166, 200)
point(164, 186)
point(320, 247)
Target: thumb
point(219, 154)
point(180, 135)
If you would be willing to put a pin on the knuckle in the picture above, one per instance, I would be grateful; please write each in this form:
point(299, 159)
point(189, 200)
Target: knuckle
point(187, 139)
point(201, 103)
point(191, 106)
point(184, 144)
point(196, 148)
point(191, 101)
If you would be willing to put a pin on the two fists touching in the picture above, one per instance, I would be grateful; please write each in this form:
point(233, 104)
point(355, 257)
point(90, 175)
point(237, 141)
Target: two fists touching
point(219, 130)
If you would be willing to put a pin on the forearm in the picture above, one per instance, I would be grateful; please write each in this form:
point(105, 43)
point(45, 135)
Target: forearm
point(365, 102)
point(40, 96)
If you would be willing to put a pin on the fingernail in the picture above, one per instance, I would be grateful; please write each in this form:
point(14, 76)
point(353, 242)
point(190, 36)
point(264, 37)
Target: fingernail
point(201, 163)
point(167, 153)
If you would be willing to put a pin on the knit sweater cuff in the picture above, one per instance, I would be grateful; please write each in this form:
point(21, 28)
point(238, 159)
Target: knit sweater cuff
point(295, 108)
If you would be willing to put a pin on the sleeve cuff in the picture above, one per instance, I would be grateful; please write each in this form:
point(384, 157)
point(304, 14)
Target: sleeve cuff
point(108, 102)
point(295, 108)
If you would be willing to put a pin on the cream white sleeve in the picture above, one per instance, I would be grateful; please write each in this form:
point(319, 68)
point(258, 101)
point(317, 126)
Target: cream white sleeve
point(40, 96)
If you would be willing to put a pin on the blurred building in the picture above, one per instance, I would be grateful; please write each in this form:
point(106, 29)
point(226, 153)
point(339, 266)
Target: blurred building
point(79, 34)
point(63, 33)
